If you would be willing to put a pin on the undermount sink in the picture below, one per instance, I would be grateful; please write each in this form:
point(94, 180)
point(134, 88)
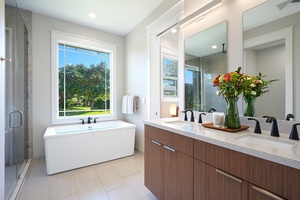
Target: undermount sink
point(186, 126)
point(179, 123)
point(272, 142)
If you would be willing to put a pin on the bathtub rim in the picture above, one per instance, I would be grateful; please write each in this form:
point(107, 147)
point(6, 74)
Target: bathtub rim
point(50, 132)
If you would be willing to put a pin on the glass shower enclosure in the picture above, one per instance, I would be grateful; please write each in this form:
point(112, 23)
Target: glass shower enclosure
point(16, 101)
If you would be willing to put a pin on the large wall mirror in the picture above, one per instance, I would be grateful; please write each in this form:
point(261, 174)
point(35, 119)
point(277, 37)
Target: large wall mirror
point(205, 58)
point(270, 34)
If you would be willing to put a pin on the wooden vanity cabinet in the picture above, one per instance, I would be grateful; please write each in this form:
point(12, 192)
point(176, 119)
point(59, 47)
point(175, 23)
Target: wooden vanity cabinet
point(169, 176)
point(178, 167)
point(271, 179)
point(154, 168)
point(218, 172)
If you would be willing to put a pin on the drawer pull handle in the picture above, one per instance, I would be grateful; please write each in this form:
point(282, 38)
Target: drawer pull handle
point(156, 142)
point(229, 176)
point(267, 193)
point(170, 149)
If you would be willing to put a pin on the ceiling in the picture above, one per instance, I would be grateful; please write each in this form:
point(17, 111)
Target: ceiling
point(201, 43)
point(267, 12)
point(114, 16)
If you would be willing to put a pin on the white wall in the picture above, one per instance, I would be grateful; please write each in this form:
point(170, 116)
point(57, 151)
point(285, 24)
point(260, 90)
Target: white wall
point(136, 47)
point(271, 62)
point(41, 26)
point(136, 68)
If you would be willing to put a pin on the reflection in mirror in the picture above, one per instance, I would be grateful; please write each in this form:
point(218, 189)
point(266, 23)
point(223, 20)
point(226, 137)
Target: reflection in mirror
point(205, 58)
point(269, 34)
point(169, 72)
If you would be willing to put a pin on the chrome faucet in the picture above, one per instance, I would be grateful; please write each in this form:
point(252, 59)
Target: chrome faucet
point(185, 115)
point(274, 130)
point(89, 120)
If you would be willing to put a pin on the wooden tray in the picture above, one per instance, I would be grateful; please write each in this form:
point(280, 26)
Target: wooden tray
point(211, 125)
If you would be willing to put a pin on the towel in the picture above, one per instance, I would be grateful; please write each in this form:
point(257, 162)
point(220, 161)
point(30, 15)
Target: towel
point(131, 104)
point(124, 104)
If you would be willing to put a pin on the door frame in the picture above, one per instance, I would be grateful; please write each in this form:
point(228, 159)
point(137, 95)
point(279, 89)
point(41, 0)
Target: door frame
point(2, 98)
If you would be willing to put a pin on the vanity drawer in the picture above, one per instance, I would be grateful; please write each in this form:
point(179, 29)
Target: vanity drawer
point(232, 162)
point(154, 133)
point(200, 150)
point(184, 144)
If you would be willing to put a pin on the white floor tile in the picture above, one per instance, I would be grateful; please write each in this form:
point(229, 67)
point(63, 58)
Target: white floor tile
point(72, 197)
point(123, 193)
point(110, 178)
point(91, 190)
point(62, 185)
point(84, 174)
point(120, 179)
point(136, 182)
point(36, 193)
point(125, 169)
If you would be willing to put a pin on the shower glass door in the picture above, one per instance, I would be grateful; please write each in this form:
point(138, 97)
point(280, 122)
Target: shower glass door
point(15, 102)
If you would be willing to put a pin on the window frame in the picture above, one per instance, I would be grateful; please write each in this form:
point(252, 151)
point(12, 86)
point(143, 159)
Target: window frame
point(86, 43)
point(172, 54)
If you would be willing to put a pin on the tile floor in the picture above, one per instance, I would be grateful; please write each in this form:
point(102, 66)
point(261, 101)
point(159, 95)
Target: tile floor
point(121, 179)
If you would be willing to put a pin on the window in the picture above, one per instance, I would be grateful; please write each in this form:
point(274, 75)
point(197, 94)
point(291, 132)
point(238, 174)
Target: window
point(169, 73)
point(82, 78)
point(193, 87)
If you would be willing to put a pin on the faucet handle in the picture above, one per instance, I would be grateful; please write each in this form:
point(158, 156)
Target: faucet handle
point(185, 115)
point(82, 121)
point(274, 130)
point(257, 126)
point(289, 117)
point(294, 133)
point(192, 117)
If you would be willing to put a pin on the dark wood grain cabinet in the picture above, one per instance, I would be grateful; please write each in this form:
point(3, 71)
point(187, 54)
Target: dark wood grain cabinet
point(174, 181)
point(178, 167)
point(217, 173)
point(154, 167)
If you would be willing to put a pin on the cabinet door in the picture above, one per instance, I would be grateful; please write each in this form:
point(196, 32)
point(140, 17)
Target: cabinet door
point(178, 175)
point(257, 193)
point(154, 167)
point(199, 180)
point(221, 185)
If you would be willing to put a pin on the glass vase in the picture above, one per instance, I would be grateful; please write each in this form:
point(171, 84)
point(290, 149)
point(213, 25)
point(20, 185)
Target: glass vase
point(249, 107)
point(232, 118)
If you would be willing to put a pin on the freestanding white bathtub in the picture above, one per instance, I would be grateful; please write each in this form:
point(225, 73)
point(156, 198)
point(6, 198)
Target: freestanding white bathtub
point(72, 146)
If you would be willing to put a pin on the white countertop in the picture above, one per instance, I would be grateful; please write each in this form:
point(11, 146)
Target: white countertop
point(280, 150)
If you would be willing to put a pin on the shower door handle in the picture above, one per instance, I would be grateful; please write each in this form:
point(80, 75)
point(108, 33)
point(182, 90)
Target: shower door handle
point(4, 59)
point(21, 119)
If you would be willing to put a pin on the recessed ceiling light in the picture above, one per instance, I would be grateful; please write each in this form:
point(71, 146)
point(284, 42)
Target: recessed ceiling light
point(214, 46)
point(92, 15)
point(174, 30)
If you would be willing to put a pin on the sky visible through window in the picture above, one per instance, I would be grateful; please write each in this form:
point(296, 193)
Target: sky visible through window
point(76, 56)
point(189, 74)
